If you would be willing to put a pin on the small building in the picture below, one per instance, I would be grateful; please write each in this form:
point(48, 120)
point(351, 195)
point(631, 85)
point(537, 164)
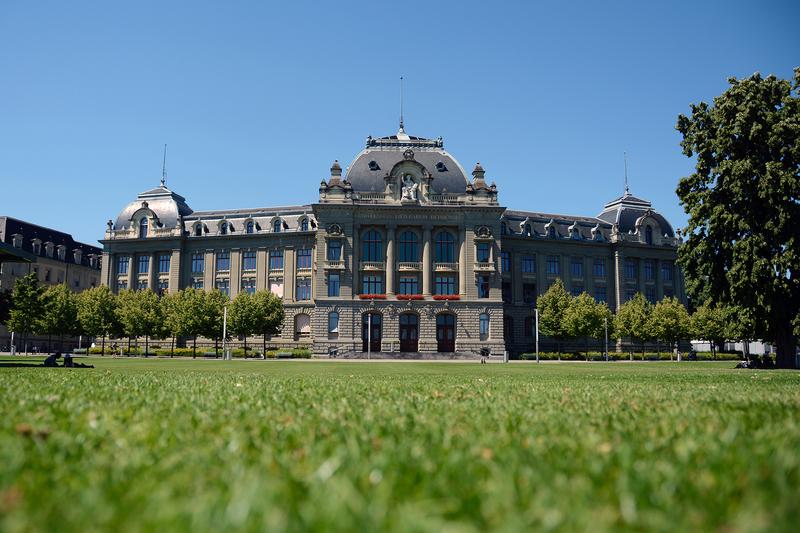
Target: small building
point(403, 252)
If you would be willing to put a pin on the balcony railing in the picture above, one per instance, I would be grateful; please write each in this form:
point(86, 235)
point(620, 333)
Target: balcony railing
point(374, 266)
point(482, 266)
point(452, 199)
point(409, 266)
point(334, 264)
point(445, 267)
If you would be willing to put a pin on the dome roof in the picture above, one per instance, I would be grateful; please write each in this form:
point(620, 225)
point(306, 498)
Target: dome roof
point(626, 210)
point(166, 205)
point(366, 172)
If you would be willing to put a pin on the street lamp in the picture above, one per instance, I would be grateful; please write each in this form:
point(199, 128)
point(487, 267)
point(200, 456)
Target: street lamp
point(224, 331)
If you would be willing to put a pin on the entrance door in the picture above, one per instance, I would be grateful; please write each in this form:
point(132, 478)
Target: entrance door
point(409, 332)
point(446, 333)
point(373, 338)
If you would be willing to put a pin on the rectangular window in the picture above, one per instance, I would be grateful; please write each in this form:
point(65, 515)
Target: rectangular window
point(223, 260)
point(484, 326)
point(276, 288)
point(197, 283)
point(482, 252)
point(249, 260)
point(303, 259)
point(163, 263)
point(576, 267)
point(141, 285)
point(630, 295)
point(249, 285)
point(333, 284)
point(224, 286)
point(528, 264)
point(650, 294)
point(577, 290)
point(304, 289)
point(599, 268)
point(409, 285)
point(333, 324)
point(529, 293)
point(506, 291)
point(445, 284)
point(649, 270)
point(372, 284)
point(600, 294)
point(505, 262)
point(483, 286)
point(143, 264)
point(666, 271)
point(276, 259)
point(553, 265)
point(334, 250)
point(122, 264)
point(163, 286)
point(630, 269)
point(198, 262)
point(122, 285)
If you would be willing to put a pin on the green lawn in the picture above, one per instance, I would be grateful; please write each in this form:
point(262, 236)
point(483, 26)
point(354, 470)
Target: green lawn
point(203, 445)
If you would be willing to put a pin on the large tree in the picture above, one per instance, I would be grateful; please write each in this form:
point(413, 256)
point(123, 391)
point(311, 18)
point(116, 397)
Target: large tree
point(710, 323)
point(26, 307)
point(633, 321)
point(553, 306)
point(669, 321)
point(269, 317)
point(586, 318)
point(59, 311)
point(214, 303)
point(97, 313)
point(743, 239)
point(185, 314)
point(140, 314)
point(243, 316)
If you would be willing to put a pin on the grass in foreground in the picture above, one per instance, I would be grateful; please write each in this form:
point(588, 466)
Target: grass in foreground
point(202, 445)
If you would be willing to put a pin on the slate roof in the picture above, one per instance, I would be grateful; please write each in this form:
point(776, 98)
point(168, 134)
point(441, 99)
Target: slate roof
point(10, 226)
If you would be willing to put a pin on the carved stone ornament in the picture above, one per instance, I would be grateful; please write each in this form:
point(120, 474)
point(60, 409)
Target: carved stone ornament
point(408, 155)
point(145, 204)
point(409, 190)
point(391, 310)
point(334, 229)
point(483, 231)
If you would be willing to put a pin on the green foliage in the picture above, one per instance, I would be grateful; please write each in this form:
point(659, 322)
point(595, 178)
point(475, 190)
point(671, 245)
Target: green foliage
point(26, 305)
point(633, 319)
point(5, 306)
point(742, 245)
point(184, 312)
point(97, 312)
point(669, 321)
point(587, 318)
point(269, 313)
point(553, 306)
point(59, 311)
point(243, 315)
point(214, 303)
point(177, 445)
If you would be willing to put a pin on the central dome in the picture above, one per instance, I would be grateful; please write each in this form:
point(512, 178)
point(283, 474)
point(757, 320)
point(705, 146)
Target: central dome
point(367, 171)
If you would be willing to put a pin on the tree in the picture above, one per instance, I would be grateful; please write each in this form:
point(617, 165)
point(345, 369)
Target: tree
point(97, 313)
point(185, 314)
point(242, 316)
point(214, 303)
point(587, 318)
point(140, 315)
point(26, 307)
point(632, 320)
point(669, 321)
point(5, 306)
point(553, 306)
point(742, 244)
point(710, 323)
point(59, 311)
point(740, 326)
point(269, 316)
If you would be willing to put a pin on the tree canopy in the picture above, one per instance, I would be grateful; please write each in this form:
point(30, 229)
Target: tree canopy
point(633, 320)
point(26, 305)
point(742, 243)
point(553, 306)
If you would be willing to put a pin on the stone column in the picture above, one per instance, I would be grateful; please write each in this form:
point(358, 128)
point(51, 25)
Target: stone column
point(619, 263)
point(208, 271)
point(354, 259)
point(175, 272)
point(289, 269)
point(462, 264)
point(516, 278)
point(236, 271)
point(108, 270)
point(426, 261)
point(261, 269)
point(390, 266)
point(152, 275)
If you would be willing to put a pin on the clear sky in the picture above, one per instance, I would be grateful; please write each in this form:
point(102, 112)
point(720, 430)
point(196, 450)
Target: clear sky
point(255, 100)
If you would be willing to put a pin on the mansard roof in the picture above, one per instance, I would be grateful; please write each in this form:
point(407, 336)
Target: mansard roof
point(167, 206)
point(627, 209)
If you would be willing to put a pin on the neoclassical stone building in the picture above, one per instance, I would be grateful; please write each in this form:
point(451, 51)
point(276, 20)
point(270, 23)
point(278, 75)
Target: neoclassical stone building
point(404, 253)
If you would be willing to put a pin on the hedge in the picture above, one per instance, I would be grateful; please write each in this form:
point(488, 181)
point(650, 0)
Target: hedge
point(623, 356)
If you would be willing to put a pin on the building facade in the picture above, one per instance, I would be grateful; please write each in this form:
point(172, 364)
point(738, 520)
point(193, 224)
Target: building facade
point(402, 253)
point(54, 256)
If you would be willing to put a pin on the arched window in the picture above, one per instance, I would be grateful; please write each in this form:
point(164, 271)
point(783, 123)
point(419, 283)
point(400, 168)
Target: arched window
point(333, 325)
point(251, 227)
point(445, 247)
point(143, 228)
point(198, 230)
point(484, 326)
point(648, 235)
point(528, 231)
point(276, 226)
point(372, 246)
point(409, 246)
point(552, 232)
point(223, 228)
point(302, 326)
point(304, 225)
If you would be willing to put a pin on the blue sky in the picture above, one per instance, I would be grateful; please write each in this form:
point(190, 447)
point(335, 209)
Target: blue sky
point(255, 100)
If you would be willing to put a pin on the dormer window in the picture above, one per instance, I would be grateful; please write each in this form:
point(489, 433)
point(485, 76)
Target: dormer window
point(48, 249)
point(77, 255)
point(17, 240)
point(373, 165)
point(250, 227)
point(143, 223)
point(528, 230)
point(37, 247)
point(62, 253)
point(304, 225)
point(223, 228)
point(198, 230)
point(648, 235)
point(276, 226)
point(552, 232)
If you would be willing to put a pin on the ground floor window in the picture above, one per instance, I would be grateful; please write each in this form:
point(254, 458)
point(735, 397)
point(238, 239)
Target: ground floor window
point(249, 285)
point(333, 325)
point(372, 284)
point(409, 285)
point(224, 286)
point(445, 284)
point(484, 326)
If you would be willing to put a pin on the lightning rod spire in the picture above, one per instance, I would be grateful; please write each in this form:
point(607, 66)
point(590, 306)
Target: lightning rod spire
point(164, 168)
point(401, 105)
point(625, 157)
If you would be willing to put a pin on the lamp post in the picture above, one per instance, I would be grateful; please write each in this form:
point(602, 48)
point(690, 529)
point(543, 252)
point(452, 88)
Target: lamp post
point(369, 334)
point(605, 322)
point(224, 331)
point(536, 316)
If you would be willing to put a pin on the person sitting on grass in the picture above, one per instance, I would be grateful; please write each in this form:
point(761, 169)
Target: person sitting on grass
point(52, 360)
point(68, 361)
